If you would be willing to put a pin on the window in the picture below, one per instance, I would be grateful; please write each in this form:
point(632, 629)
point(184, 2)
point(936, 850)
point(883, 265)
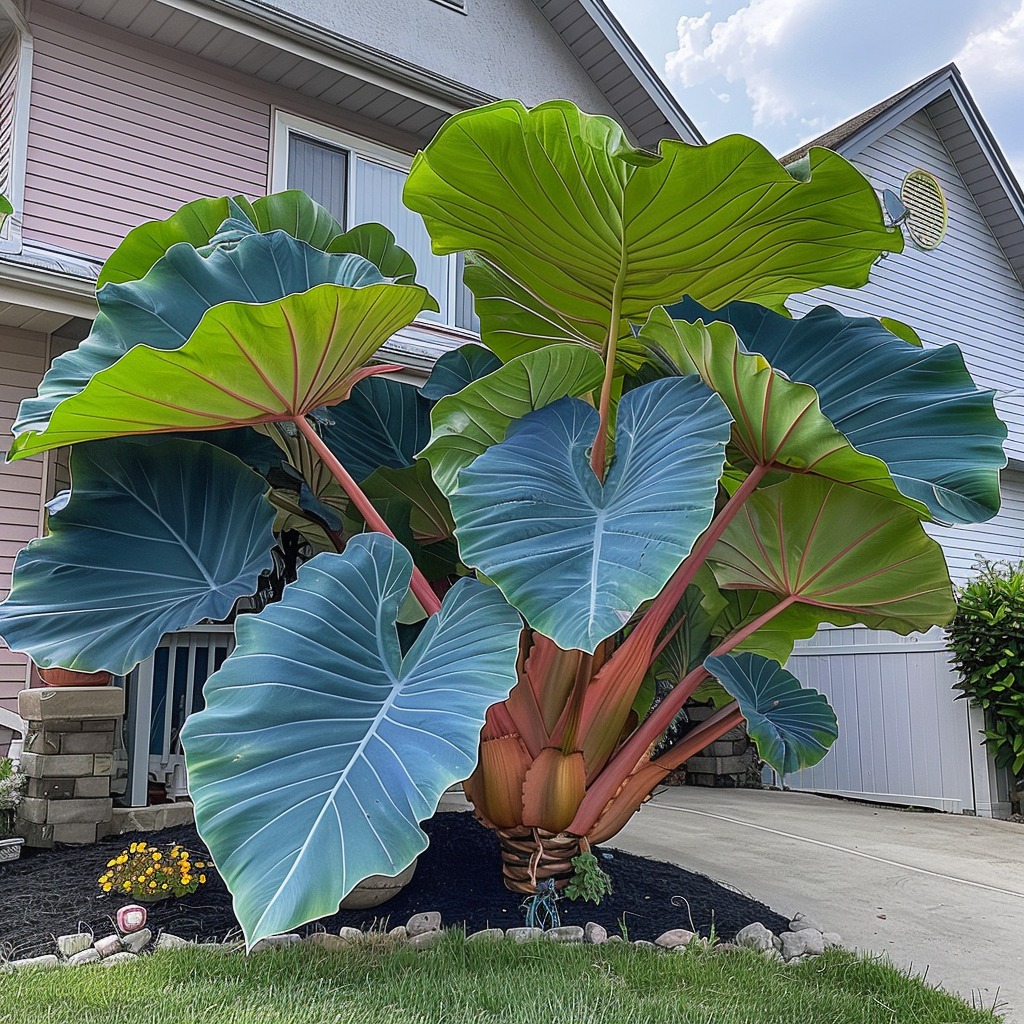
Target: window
point(15, 78)
point(360, 181)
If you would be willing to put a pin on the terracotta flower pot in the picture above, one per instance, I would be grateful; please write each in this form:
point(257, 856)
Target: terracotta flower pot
point(68, 677)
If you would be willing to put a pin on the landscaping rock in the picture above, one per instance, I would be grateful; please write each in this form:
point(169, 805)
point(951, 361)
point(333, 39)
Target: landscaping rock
point(487, 935)
point(274, 942)
point(350, 935)
point(565, 933)
point(69, 945)
point(615, 938)
point(674, 937)
point(806, 942)
point(421, 924)
point(46, 961)
point(108, 945)
point(424, 940)
point(123, 957)
point(168, 940)
point(756, 936)
point(524, 934)
point(86, 956)
point(645, 944)
point(136, 942)
point(399, 933)
point(832, 940)
point(800, 922)
point(594, 933)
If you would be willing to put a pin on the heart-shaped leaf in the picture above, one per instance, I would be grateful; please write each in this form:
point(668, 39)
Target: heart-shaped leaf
point(321, 747)
point(243, 364)
point(576, 557)
point(384, 422)
point(777, 423)
point(455, 369)
point(163, 309)
point(792, 725)
point(918, 410)
point(837, 547)
point(599, 232)
point(155, 538)
point(467, 424)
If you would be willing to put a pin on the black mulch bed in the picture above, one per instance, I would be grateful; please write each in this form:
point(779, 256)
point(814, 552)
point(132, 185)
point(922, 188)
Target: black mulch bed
point(48, 892)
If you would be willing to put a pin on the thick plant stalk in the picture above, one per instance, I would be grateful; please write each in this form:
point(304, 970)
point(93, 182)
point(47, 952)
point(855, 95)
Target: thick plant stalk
point(420, 587)
point(597, 453)
point(635, 748)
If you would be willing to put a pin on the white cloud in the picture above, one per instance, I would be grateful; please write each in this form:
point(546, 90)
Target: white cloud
point(996, 54)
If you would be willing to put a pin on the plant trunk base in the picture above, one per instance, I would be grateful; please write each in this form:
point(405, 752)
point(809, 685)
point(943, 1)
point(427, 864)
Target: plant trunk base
point(530, 856)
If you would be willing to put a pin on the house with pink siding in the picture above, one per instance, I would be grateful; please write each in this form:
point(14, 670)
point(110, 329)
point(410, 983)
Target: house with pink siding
point(113, 112)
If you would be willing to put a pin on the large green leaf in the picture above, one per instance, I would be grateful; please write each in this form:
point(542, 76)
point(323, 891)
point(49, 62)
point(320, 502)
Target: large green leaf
point(199, 221)
point(792, 725)
point(156, 537)
point(321, 748)
point(466, 424)
point(376, 243)
point(383, 423)
point(455, 369)
point(777, 423)
point(776, 638)
point(599, 232)
point(918, 410)
point(243, 364)
point(5, 209)
point(837, 547)
point(163, 309)
point(575, 556)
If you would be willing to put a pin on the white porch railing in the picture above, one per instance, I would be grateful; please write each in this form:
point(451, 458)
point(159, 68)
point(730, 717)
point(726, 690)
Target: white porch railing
point(162, 692)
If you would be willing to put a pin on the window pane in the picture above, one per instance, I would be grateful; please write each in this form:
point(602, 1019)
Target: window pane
point(465, 316)
point(378, 192)
point(320, 171)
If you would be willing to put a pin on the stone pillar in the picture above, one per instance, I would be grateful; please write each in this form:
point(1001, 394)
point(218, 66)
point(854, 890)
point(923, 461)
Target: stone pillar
point(68, 759)
point(731, 761)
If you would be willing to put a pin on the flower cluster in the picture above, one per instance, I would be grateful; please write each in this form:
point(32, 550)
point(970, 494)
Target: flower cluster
point(149, 871)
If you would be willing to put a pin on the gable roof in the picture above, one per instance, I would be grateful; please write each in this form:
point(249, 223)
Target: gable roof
point(944, 97)
point(263, 39)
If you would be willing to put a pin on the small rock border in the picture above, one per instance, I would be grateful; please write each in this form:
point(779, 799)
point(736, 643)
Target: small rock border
point(804, 940)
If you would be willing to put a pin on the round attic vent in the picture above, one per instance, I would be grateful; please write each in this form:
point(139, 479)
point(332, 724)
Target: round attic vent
point(928, 217)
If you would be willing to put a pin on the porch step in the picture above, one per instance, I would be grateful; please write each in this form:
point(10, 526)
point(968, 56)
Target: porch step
point(150, 819)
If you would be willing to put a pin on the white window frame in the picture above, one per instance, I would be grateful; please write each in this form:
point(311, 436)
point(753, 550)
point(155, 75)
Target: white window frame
point(424, 339)
point(10, 237)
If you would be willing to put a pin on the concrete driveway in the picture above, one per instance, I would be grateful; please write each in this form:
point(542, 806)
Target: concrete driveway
point(940, 893)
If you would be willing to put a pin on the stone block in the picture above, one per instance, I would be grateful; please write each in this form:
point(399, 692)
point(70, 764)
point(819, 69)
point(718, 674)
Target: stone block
point(102, 764)
point(92, 785)
point(36, 835)
point(33, 809)
point(89, 810)
point(87, 956)
point(149, 819)
point(87, 743)
point(42, 741)
point(716, 765)
point(46, 961)
point(75, 833)
point(44, 704)
point(699, 714)
point(50, 789)
point(59, 766)
point(99, 724)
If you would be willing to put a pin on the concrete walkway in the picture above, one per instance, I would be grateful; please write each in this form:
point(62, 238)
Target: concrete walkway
point(940, 893)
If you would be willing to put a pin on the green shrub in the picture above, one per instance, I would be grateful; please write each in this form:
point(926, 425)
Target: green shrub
point(987, 642)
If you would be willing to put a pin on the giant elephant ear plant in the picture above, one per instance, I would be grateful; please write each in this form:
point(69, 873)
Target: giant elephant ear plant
point(652, 483)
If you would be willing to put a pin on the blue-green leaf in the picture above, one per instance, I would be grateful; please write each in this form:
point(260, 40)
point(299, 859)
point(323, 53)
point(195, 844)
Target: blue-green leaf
point(455, 369)
point(384, 423)
point(155, 538)
point(321, 747)
point(918, 410)
point(792, 725)
point(163, 309)
point(576, 557)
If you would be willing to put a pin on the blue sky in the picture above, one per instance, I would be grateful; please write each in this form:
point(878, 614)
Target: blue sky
point(786, 70)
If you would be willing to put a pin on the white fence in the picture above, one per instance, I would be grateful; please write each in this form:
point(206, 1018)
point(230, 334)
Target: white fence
point(162, 692)
point(903, 737)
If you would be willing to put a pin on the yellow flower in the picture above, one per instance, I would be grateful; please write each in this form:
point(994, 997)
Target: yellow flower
point(202, 879)
point(111, 863)
point(157, 855)
point(126, 885)
point(164, 886)
point(122, 859)
point(200, 864)
point(133, 847)
point(141, 846)
point(149, 871)
point(107, 887)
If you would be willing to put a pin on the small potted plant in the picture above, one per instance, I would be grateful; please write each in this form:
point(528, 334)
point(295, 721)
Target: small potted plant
point(150, 873)
point(12, 786)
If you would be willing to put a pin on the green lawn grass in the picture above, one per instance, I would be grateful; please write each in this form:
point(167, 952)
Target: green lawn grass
point(470, 983)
